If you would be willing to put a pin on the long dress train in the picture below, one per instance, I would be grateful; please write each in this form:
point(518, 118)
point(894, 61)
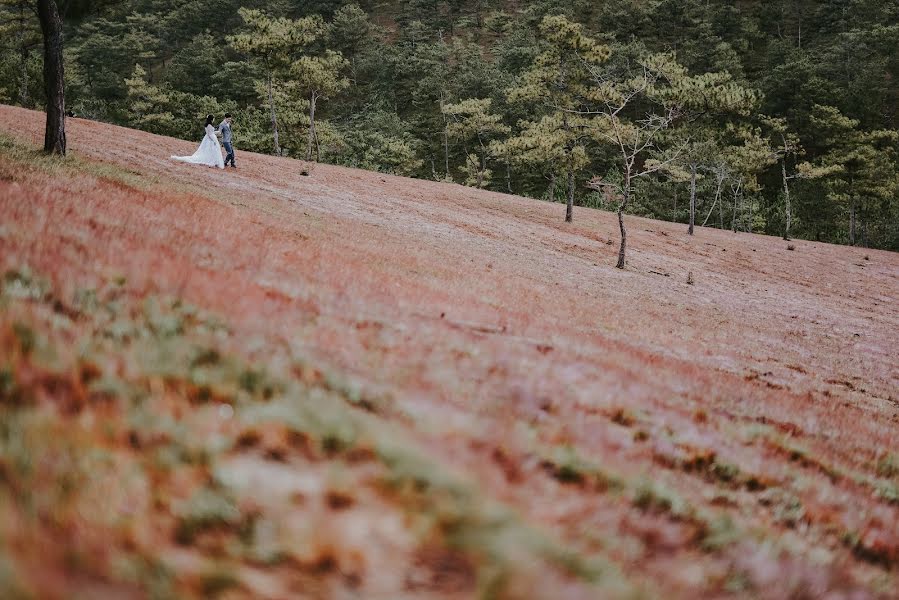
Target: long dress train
point(209, 153)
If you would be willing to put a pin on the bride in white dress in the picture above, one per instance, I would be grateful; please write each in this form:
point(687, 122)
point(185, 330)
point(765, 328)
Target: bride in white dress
point(210, 151)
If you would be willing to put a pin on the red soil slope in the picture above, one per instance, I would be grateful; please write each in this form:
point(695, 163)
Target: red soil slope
point(505, 339)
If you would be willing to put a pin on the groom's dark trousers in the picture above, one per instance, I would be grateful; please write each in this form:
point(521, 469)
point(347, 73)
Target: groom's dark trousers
point(230, 150)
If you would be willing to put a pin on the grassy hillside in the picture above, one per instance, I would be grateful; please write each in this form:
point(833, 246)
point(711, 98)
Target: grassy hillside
point(259, 383)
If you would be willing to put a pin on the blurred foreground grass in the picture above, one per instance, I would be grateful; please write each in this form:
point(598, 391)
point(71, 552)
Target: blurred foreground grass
point(138, 452)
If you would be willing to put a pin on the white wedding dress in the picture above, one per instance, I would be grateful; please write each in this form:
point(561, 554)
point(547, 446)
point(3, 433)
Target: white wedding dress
point(209, 153)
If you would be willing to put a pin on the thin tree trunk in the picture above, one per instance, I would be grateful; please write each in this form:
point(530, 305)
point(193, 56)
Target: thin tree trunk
point(623, 247)
point(852, 222)
point(271, 105)
point(783, 167)
point(733, 221)
point(445, 138)
point(750, 227)
point(54, 77)
point(311, 139)
point(318, 153)
point(864, 218)
point(721, 213)
point(446, 149)
point(674, 214)
point(24, 100)
point(483, 167)
point(569, 208)
point(714, 204)
point(551, 189)
point(692, 198)
point(508, 177)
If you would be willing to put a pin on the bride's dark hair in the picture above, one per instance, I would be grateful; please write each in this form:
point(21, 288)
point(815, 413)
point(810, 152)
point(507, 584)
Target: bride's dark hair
point(209, 119)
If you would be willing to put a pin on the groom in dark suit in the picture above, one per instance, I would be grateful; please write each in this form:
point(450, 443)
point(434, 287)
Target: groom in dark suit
point(225, 130)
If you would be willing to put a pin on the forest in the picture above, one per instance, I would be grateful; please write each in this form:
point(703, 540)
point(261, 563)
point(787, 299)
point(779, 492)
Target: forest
point(767, 117)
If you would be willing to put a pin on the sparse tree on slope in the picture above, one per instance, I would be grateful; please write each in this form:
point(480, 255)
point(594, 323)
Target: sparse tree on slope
point(318, 77)
point(274, 41)
point(637, 106)
point(559, 81)
point(747, 160)
point(634, 132)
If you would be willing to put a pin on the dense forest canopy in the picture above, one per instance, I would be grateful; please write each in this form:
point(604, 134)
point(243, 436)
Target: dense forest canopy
point(775, 117)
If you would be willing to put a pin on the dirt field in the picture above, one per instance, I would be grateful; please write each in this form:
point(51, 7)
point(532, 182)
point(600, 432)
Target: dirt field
point(580, 431)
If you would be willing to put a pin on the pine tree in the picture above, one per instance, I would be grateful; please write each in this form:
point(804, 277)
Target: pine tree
point(858, 168)
point(559, 81)
point(274, 41)
point(317, 78)
point(148, 104)
point(20, 36)
point(475, 127)
point(635, 107)
point(784, 147)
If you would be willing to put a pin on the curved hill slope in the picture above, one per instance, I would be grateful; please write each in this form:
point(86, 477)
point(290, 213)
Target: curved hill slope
point(419, 390)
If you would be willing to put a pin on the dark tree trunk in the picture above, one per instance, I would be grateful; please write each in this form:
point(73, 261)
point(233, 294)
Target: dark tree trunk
point(852, 222)
point(789, 216)
point(54, 77)
point(750, 227)
point(623, 247)
point(551, 189)
point(569, 207)
point(692, 199)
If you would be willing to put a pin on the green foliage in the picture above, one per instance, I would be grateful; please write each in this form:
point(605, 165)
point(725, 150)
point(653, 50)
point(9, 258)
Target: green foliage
point(471, 123)
point(377, 140)
point(390, 86)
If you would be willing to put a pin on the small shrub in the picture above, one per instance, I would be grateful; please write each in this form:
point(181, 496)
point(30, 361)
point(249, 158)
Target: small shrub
point(720, 533)
point(9, 392)
point(725, 471)
point(888, 465)
point(216, 581)
point(888, 492)
point(649, 496)
point(623, 417)
point(207, 509)
point(25, 337)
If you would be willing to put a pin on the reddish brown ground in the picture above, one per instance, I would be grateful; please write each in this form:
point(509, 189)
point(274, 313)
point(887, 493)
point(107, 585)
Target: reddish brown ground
point(503, 336)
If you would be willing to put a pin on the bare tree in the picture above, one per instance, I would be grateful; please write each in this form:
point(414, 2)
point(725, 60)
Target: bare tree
point(634, 139)
point(722, 172)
